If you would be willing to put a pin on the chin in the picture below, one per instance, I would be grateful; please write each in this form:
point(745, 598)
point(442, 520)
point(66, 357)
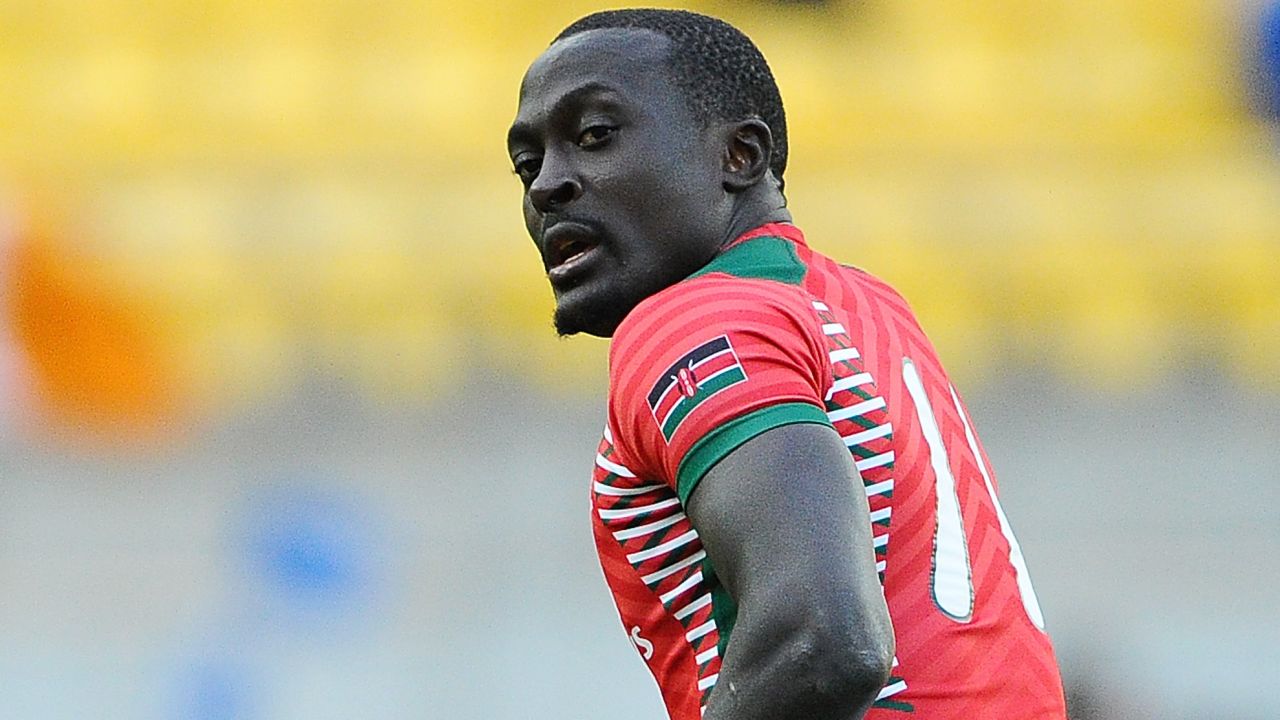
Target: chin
point(578, 311)
point(572, 321)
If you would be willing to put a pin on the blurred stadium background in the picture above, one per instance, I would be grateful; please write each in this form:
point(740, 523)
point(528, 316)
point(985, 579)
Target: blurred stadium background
point(285, 433)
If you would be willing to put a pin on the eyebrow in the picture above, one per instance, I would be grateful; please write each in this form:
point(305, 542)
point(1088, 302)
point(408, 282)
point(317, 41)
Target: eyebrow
point(520, 131)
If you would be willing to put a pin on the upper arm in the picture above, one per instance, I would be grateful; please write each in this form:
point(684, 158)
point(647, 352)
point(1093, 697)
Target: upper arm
point(785, 523)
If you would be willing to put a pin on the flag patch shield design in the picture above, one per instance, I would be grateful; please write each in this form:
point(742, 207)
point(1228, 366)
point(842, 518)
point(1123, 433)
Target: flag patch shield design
point(692, 380)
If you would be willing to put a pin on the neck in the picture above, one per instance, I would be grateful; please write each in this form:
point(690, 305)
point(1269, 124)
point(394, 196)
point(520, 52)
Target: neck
point(753, 215)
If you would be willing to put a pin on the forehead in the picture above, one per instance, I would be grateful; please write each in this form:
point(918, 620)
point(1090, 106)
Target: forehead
point(630, 63)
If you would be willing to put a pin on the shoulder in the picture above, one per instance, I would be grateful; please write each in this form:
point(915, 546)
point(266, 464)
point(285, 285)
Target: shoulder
point(873, 287)
point(762, 273)
point(709, 362)
point(702, 303)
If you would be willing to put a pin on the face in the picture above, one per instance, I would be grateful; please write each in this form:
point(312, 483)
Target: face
point(622, 188)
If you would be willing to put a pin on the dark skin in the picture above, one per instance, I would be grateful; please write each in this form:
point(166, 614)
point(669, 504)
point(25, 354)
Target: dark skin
point(627, 193)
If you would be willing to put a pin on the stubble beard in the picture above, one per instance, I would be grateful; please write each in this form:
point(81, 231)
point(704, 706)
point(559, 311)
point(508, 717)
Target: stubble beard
point(592, 320)
point(596, 316)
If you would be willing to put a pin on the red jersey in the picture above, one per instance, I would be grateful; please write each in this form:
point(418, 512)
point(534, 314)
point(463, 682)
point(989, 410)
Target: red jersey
point(771, 333)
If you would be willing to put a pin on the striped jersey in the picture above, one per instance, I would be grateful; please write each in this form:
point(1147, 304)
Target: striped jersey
point(772, 333)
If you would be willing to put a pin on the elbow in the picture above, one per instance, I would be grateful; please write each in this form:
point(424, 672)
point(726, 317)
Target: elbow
point(867, 672)
point(861, 672)
point(847, 669)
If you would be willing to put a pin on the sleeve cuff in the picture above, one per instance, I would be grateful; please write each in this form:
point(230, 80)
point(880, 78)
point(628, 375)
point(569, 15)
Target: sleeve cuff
point(715, 445)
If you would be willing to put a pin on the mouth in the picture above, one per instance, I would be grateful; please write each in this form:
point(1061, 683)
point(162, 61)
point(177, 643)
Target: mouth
point(567, 247)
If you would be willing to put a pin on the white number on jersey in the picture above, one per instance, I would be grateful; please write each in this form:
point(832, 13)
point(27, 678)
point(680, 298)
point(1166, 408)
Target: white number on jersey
point(951, 580)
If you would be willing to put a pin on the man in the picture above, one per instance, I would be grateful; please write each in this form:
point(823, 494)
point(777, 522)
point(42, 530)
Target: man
point(784, 454)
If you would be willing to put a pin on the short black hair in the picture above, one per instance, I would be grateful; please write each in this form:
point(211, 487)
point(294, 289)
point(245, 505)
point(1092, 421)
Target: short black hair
point(721, 72)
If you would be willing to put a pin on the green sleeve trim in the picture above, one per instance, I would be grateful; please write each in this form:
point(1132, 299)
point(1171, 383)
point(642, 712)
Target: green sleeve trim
point(715, 445)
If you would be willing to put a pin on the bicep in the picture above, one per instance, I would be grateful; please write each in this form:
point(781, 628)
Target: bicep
point(785, 523)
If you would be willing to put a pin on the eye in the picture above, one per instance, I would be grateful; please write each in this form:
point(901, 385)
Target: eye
point(527, 167)
point(595, 136)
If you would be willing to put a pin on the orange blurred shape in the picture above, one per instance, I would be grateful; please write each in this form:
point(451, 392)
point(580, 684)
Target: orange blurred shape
point(94, 356)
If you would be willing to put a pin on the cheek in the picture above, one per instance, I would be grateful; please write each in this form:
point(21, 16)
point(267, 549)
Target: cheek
point(660, 190)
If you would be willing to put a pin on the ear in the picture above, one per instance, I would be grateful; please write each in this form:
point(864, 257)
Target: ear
point(748, 149)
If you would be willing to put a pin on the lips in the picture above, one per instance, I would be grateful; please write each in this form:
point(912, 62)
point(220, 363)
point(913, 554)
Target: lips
point(567, 247)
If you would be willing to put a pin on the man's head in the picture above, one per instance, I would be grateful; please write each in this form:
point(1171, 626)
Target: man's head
point(645, 139)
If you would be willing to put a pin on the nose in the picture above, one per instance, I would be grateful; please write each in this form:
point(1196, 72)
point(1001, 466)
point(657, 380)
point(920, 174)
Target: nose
point(554, 187)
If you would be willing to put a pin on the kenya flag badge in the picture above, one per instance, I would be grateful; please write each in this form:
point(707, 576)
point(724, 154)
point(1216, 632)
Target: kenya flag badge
point(692, 380)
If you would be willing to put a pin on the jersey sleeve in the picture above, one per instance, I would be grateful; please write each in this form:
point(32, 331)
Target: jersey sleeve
point(704, 366)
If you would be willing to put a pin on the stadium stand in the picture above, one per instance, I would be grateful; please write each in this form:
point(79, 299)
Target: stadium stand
point(1062, 184)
